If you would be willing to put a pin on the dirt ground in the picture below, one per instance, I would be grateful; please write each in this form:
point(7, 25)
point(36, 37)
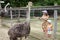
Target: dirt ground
point(3, 34)
point(34, 35)
point(36, 31)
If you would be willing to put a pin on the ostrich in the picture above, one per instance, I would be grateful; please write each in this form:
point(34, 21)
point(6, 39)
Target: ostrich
point(20, 30)
point(4, 10)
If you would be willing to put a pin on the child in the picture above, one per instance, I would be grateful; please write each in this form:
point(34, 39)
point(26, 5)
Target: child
point(44, 17)
point(49, 28)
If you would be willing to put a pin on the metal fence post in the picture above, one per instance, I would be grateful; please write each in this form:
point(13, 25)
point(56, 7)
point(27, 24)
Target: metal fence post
point(55, 22)
point(11, 16)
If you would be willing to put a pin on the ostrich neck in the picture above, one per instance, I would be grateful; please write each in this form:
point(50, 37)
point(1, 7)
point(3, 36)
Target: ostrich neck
point(28, 15)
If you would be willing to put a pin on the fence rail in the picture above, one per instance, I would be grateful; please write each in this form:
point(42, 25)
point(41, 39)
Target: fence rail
point(37, 8)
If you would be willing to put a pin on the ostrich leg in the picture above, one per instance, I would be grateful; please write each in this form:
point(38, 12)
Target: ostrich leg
point(20, 38)
point(13, 38)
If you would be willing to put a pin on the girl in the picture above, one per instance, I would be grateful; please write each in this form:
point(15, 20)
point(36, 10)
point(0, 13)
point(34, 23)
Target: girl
point(44, 17)
point(49, 28)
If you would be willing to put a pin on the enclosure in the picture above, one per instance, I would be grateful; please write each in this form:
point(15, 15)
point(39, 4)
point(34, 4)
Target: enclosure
point(18, 15)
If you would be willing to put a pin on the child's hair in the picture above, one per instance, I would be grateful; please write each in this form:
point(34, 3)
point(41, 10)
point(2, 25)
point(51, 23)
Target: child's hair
point(46, 14)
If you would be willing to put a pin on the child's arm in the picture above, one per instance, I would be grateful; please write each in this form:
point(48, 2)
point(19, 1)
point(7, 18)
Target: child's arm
point(51, 27)
point(42, 25)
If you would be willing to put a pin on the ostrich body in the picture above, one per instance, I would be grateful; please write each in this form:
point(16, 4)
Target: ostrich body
point(19, 31)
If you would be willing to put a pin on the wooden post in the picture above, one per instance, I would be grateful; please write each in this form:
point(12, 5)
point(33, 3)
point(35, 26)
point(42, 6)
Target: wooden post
point(33, 13)
point(1, 20)
point(0, 17)
point(19, 16)
point(55, 21)
point(0, 6)
point(11, 16)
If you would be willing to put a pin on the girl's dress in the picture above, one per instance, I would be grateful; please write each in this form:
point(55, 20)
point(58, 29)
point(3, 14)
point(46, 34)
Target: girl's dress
point(49, 31)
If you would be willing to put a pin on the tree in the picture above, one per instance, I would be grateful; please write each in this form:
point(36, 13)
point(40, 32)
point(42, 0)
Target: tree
point(20, 3)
